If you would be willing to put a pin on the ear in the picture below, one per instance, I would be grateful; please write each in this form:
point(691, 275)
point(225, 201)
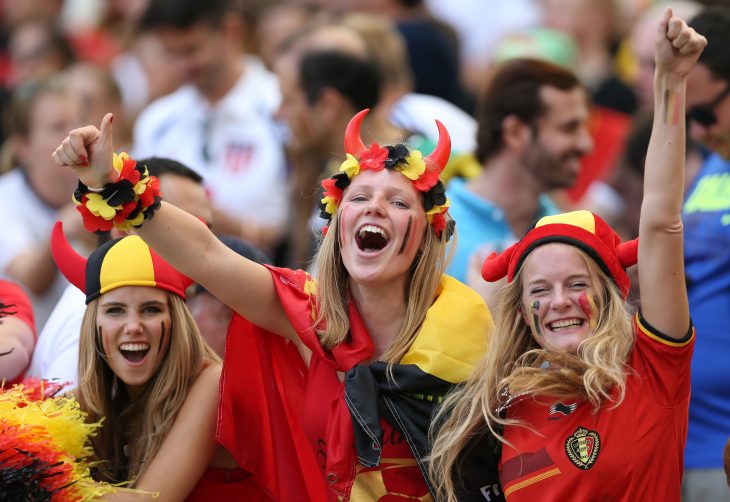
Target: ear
point(19, 147)
point(331, 105)
point(515, 133)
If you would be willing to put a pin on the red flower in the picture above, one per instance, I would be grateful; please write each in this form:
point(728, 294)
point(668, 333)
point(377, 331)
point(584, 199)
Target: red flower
point(130, 172)
point(427, 180)
point(374, 157)
point(94, 223)
point(438, 222)
point(127, 208)
point(332, 190)
point(147, 198)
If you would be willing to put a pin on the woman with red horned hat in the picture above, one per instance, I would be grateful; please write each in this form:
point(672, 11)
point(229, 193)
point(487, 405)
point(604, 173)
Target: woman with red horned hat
point(383, 332)
point(589, 400)
point(148, 376)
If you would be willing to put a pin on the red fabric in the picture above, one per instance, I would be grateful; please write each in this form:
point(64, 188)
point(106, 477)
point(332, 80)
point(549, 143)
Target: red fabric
point(12, 294)
point(325, 417)
point(223, 485)
point(609, 129)
point(638, 446)
point(262, 386)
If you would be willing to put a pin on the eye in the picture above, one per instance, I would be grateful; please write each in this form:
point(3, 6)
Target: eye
point(151, 309)
point(401, 204)
point(113, 310)
point(536, 291)
point(358, 198)
point(578, 285)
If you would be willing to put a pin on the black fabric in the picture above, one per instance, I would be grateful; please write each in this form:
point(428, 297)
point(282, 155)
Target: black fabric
point(408, 402)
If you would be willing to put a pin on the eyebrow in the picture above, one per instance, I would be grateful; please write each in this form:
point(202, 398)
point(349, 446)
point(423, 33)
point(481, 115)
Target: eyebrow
point(569, 278)
point(122, 304)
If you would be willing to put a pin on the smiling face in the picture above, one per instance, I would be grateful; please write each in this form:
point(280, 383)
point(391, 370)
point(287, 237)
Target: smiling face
point(560, 138)
point(134, 322)
point(559, 296)
point(381, 227)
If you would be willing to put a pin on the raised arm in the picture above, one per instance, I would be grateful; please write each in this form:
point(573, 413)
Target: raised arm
point(661, 260)
point(181, 239)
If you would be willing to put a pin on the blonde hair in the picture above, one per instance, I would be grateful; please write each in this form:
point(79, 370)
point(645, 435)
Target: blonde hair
point(332, 290)
point(514, 365)
point(143, 423)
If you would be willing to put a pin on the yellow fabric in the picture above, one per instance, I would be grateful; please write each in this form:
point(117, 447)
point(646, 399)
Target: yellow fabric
point(128, 263)
point(582, 219)
point(454, 334)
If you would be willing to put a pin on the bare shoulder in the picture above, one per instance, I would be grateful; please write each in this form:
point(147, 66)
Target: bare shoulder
point(208, 379)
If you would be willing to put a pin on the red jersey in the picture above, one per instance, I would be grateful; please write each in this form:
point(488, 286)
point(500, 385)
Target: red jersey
point(12, 294)
point(628, 453)
point(325, 417)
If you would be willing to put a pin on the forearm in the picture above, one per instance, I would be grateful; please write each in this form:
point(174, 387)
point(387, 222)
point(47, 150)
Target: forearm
point(34, 269)
point(664, 170)
point(16, 347)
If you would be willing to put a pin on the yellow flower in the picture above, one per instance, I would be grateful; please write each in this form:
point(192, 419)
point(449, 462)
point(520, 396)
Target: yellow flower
point(438, 209)
point(415, 166)
point(118, 161)
point(350, 166)
point(330, 205)
point(98, 206)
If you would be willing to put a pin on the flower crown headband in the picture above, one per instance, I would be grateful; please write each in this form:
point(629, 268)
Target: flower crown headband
point(423, 173)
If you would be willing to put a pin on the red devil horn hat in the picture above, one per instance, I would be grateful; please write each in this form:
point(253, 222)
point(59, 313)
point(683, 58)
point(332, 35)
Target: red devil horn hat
point(581, 229)
point(127, 261)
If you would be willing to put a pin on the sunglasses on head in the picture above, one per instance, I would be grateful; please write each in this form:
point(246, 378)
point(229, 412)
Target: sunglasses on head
point(705, 114)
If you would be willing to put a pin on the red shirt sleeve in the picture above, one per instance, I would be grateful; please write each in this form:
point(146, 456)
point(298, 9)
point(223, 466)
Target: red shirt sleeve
point(13, 297)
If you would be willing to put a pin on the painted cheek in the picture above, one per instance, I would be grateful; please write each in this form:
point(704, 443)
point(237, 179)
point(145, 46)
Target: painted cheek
point(163, 335)
point(534, 315)
point(589, 308)
point(407, 236)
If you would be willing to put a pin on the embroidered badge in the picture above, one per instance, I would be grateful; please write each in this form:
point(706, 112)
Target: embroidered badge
point(583, 447)
point(561, 409)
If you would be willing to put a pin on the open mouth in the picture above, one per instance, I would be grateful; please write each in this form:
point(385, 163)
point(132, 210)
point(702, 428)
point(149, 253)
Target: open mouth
point(371, 238)
point(134, 352)
point(562, 324)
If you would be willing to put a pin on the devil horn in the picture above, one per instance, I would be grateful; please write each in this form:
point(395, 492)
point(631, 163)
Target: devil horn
point(440, 155)
point(496, 266)
point(627, 252)
point(353, 141)
point(71, 264)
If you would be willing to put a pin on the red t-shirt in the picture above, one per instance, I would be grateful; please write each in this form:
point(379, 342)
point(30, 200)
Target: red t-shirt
point(628, 453)
point(12, 294)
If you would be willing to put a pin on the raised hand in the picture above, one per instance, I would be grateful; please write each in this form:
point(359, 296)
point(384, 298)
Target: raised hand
point(88, 151)
point(677, 45)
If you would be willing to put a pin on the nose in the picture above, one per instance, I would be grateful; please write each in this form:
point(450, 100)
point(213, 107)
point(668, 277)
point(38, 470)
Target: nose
point(133, 324)
point(560, 299)
point(376, 205)
point(584, 141)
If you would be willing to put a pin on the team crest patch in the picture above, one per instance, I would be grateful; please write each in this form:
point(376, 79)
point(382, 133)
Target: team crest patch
point(583, 447)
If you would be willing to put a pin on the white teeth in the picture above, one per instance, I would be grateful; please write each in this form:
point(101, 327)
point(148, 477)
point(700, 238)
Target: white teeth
point(565, 323)
point(133, 347)
point(373, 230)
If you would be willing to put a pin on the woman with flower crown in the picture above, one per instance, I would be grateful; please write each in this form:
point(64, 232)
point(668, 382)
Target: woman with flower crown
point(384, 334)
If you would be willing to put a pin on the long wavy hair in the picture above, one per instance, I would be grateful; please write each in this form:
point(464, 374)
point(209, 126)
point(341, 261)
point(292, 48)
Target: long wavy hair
point(333, 290)
point(515, 364)
point(140, 424)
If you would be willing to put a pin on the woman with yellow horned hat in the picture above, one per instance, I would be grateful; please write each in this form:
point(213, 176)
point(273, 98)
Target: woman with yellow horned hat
point(383, 332)
point(146, 372)
point(588, 400)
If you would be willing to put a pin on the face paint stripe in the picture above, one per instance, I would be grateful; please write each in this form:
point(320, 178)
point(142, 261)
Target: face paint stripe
point(589, 308)
point(405, 238)
point(534, 319)
point(163, 332)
